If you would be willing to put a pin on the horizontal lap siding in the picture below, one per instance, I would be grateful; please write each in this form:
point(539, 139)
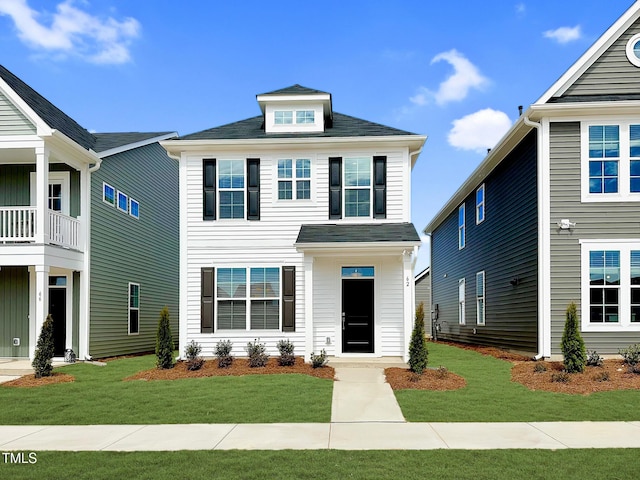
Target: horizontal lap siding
point(390, 306)
point(423, 295)
point(593, 221)
point(612, 73)
point(270, 241)
point(125, 249)
point(505, 247)
point(12, 121)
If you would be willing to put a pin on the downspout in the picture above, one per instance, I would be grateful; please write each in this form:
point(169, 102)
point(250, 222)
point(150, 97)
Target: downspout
point(87, 252)
point(541, 300)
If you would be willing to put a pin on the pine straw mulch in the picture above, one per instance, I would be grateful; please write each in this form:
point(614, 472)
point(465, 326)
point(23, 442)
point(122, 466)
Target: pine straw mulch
point(431, 379)
point(28, 381)
point(239, 367)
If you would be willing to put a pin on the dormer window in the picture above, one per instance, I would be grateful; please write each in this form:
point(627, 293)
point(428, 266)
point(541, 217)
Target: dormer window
point(305, 116)
point(283, 117)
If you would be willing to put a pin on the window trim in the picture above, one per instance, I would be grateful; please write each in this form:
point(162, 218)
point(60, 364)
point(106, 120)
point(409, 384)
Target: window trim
point(481, 298)
point(481, 205)
point(462, 227)
point(219, 189)
point(118, 194)
point(247, 299)
point(631, 56)
point(131, 202)
point(624, 193)
point(346, 187)
point(130, 308)
point(293, 180)
point(462, 295)
point(115, 194)
point(624, 246)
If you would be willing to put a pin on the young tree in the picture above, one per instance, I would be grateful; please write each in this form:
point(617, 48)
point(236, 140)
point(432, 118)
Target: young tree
point(572, 345)
point(418, 353)
point(164, 341)
point(44, 350)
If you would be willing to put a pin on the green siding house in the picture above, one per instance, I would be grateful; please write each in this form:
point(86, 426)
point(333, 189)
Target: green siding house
point(88, 231)
point(550, 216)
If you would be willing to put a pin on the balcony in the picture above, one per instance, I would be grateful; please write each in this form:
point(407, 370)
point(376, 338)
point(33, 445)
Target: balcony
point(18, 225)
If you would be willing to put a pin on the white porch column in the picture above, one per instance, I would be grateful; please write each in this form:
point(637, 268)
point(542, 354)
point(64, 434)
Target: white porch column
point(308, 307)
point(85, 243)
point(42, 197)
point(83, 316)
point(42, 304)
point(408, 285)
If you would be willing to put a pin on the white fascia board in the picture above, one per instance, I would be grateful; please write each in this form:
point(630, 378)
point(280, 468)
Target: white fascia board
point(71, 151)
point(422, 274)
point(592, 54)
point(355, 248)
point(41, 127)
point(324, 98)
point(141, 143)
point(582, 109)
point(508, 142)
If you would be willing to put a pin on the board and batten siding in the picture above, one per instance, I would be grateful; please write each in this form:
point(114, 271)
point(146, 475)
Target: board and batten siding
point(14, 311)
point(504, 246)
point(611, 73)
point(12, 120)
point(593, 221)
point(125, 249)
point(269, 242)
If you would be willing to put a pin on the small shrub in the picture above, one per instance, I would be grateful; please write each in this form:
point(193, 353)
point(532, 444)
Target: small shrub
point(285, 347)
point(572, 345)
point(414, 377)
point(442, 372)
point(593, 359)
point(44, 350)
point(257, 353)
point(634, 368)
point(601, 377)
point(222, 351)
point(164, 341)
point(560, 377)
point(318, 361)
point(192, 352)
point(418, 353)
point(631, 355)
point(540, 367)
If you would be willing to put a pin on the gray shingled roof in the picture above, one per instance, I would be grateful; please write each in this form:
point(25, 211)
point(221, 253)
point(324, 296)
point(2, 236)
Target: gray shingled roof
point(295, 90)
point(107, 141)
point(358, 233)
point(52, 115)
point(343, 126)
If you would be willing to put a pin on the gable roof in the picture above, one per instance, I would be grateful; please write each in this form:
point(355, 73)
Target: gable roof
point(109, 143)
point(47, 111)
point(295, 90)
point(358, 233)
point(423, 274)
point(343, 126)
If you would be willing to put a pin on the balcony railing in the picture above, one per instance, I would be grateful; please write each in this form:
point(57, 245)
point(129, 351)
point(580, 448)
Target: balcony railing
point(18, 225)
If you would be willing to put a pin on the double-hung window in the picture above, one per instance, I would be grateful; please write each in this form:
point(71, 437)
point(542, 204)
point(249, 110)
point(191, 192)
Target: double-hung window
point(461, 301)
point(610, 162)
point(231, 188)
point(134, 308)
point(610, 285)
point(461, 227)
point(480, 304)
point(294, 174)
point(480, 204)
point(254, 308)
point(357, 187)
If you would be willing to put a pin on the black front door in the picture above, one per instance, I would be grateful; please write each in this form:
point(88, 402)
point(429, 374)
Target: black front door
point(357, 316)
point(58, 311)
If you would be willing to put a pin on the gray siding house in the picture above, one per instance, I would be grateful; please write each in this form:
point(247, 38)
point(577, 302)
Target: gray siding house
point(88, 231)
point(423, 295)
point(550, 216)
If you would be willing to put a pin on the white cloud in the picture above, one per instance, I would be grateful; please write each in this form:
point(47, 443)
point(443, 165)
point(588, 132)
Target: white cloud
point(564, 34)
point(465, 77)
point(71, 31)
point(480, 130)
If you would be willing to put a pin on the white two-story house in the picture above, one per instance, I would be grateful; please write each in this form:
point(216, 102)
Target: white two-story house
point(295, 224)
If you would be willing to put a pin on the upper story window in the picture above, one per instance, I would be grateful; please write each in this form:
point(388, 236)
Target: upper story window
point(123, 202)
point(109, 194)
point(633, 50)
point(296, 175)
point(231, 186)
point(283, 117)
point(480, 204)
point(305, 116)
point(290, 117)
point(134, 208)
point(610, 162)
point(461, 227)
point(357, 187)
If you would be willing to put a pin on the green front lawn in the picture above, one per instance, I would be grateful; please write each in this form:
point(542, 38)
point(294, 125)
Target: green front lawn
point(490, 396)
point(99, 396)
point(331, 464)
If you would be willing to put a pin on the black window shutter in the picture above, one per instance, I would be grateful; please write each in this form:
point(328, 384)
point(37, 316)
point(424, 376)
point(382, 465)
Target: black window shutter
point(380, 187)
point(209, 188)
point(335, 187)
point(206, 299)
point(288, 299)
point(253, 189)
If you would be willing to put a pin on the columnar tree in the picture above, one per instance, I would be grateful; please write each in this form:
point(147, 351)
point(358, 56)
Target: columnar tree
point(42, 361)
point(572, 345)
point(418, 353)
point(164, 341)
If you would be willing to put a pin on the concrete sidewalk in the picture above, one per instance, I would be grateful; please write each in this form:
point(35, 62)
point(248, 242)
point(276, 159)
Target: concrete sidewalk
point(322, 436)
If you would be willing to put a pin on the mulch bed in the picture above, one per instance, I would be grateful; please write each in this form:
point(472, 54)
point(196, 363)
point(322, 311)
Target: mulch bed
point(403, 379)
point(240, 366)
point(29, 381)
point(491, 351)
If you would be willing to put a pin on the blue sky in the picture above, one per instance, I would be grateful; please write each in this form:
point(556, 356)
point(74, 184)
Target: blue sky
point(455, 71)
